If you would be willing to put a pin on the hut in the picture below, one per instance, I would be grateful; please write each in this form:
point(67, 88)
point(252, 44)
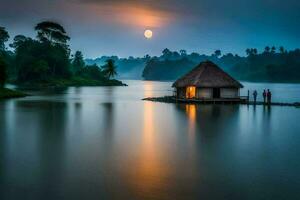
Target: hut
point(207, 82)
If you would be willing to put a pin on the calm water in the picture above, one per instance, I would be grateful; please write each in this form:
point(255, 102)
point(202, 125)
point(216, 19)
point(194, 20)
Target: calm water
point(105, 143)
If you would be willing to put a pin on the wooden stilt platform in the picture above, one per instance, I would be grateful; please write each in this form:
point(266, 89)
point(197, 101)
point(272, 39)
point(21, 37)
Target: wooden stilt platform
point(172, 99)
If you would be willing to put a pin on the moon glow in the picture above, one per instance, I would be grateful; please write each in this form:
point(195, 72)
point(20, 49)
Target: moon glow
point(148, 34)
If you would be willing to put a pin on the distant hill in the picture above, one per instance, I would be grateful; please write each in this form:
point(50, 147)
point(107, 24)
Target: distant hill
point(268, 66)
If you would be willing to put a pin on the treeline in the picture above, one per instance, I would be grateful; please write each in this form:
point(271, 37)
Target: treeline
point(128, 68)
point(270, 65)
point(47, 60)
point(172, 64)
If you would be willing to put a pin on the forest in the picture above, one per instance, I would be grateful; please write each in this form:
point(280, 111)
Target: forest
point(270, 65)
point(47, 61)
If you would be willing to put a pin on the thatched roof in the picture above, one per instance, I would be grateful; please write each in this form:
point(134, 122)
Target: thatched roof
point(207, 74)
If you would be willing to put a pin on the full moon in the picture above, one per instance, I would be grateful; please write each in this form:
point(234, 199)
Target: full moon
point(148, 34)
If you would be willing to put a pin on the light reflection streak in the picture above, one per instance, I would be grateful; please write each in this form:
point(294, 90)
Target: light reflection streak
point(149, 167)
point(191, 112)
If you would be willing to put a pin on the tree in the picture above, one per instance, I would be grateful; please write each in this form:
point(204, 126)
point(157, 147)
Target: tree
point(2, 72)
point(281, 50)
point(248, 51)
point(110, 69)
point(183, 52)
point(251, 52)
point(254, 51)
point(273, 49)
point(218, 53)
point(166, 53)
point(147, 57)
point(4, 36)
point(267, 49)
point(51, 32)
point(92, 72)
point(18, 41)
point(78, 62)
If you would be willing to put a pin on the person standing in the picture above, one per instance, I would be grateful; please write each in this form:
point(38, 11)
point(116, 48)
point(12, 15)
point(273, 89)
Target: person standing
point(255, 96)
point(264, 96)
point(269, 97)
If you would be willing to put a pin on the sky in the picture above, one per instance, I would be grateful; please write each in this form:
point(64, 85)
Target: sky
point(116, 27)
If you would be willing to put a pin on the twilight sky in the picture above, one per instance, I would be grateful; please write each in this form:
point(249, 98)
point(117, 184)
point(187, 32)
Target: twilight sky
point(116, 27)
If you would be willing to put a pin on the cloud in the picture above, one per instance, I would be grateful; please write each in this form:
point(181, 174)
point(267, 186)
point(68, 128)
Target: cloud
point(191, 23)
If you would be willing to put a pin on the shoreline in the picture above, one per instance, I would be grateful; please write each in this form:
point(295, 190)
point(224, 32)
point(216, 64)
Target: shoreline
point(75, 82)
point(171, 99)
point(6, 93)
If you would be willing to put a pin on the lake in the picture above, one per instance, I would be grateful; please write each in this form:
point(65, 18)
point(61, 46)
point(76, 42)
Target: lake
point(105, 143)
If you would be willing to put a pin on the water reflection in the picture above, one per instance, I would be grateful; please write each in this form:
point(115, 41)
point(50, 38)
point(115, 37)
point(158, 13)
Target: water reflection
point(192, 114)
point(102, 143)
point(149, 167)
point(266, 121)
point(108, 119)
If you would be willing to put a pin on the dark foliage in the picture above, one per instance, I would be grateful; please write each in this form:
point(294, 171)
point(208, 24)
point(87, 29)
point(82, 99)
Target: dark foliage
point(77, 63)
point(39, 61)
point(110, 69)
point(92, 72)
point(4, 36)
point(51, 32)
point(2, 72)
point(269, 66)
point(272, 66)
point(45, 61)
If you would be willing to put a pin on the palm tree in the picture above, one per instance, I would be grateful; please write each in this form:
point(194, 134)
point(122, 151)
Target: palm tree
point(51, 32)
point(110, 69)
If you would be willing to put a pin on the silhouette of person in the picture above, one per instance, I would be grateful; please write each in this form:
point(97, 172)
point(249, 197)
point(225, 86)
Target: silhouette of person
point(255, 96)
point(269, 97)
point(264, 96)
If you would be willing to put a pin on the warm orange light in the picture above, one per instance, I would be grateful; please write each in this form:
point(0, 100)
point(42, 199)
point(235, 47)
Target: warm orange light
point(190, 92)
point(191, 112)
point(137, 15)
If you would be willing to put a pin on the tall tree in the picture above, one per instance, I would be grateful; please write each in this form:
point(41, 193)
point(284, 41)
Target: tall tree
point(4, 36)
point(51, 32)
point(78, 62)
point(2, 72)
point(110, 69)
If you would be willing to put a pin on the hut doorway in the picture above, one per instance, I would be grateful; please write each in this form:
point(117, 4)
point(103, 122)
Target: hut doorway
point(216, 93)
point(190, 92)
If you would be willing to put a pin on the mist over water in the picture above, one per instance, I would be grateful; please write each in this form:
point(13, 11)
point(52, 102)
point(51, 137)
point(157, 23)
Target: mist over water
point(104, 142)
